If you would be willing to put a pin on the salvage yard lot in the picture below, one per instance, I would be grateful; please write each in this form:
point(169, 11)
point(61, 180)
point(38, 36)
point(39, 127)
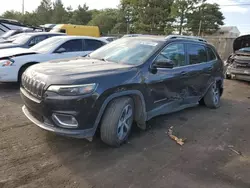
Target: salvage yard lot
point(216, 153)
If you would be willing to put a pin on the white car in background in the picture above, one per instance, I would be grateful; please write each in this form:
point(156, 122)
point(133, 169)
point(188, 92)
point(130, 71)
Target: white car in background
point(14, 61)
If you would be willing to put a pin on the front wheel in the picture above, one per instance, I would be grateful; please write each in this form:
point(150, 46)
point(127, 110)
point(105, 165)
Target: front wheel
point(212, 97)
point(117, 121)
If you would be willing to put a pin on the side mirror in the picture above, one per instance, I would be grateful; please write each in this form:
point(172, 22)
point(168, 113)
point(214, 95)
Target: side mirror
point(61, 50)
point(163, 63)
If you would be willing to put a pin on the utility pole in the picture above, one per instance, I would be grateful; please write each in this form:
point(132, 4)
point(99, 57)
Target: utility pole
point(22, 6)
point(199, 33)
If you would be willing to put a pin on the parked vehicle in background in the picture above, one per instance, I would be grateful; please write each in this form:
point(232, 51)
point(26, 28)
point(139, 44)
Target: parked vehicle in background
point(129, 80)
point(8, 24)
point(14, 61)
point(11, 33)
point(132, 35)
point(12, 38)
point(48, 27)
point(238, 64)
point(28, 40)
point(78, 30)
point(110, 39)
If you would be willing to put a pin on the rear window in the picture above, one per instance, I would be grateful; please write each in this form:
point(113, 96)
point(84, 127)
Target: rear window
point(196, 54)
point(91, 45)
point(72, 45)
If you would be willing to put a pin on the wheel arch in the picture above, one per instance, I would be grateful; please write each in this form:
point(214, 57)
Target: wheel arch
point(218, 81)
point(140, 107)
point(26, 65)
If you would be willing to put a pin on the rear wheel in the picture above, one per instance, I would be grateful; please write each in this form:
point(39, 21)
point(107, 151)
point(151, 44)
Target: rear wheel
point(117, 121)
point(212, 97)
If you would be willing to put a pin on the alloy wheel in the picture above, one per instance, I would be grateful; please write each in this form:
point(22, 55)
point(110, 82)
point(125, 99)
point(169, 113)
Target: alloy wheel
point(125, 122)
point(216, 94)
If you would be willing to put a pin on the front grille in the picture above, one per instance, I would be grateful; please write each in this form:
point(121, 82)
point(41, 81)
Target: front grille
point(33, 86)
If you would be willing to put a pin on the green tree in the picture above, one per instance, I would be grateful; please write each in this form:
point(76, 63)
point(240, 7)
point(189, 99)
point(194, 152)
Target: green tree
point(30, 19)
point(181, 9)
point(59, 14)
point(147, 16)
point(205, 19)
point(15, 15)
point(106, 20)
point(81, 15)
point(94, 12)
point(44, 12)
point(121, 23)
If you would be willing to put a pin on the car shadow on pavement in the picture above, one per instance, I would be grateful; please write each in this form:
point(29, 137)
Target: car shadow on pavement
point(9, 86)
point(8, 89)
point(149, 152)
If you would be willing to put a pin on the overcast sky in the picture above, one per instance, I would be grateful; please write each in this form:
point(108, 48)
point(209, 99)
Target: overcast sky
point(235, 15)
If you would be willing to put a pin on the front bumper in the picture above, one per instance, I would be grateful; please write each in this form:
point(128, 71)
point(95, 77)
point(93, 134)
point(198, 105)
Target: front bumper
point(40, 112)
point(239, 73)
point(49, 127)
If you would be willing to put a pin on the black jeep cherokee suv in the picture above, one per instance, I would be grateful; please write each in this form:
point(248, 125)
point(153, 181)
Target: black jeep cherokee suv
point(129, 80)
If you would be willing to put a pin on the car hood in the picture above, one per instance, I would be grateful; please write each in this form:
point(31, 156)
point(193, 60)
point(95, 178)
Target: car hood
point(78, 71)
point(14, 52)
point(8, 45)
point(77, 66)
point(241, 42)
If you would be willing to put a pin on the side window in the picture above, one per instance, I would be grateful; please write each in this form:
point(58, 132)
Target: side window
point(211, 55)
point(174, 52)
point(91, 45)
point(62, 30)
point(196, 53)
point(37, 39)
point(71, 46)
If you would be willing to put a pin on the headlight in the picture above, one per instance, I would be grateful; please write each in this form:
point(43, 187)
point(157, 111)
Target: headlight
point(72, 90)
point(7, 62)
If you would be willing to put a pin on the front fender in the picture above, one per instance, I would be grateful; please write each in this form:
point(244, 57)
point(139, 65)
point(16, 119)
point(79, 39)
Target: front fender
point(140, 116)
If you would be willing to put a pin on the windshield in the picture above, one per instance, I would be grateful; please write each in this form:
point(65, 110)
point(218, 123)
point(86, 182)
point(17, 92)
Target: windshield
point(247, 49)
point(47, 45)
point(22, 40)
point(132, 51)
point(8, 34)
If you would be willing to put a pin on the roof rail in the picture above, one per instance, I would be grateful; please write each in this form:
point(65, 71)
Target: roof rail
point(185, 37)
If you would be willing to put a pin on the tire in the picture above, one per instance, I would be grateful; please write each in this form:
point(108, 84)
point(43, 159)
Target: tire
point(212, 97)
point(201, 102)
point(228, 76)
point(20, 73)
point(114, 131)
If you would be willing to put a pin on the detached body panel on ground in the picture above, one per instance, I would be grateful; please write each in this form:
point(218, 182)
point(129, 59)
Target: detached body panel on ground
point(138, 77)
